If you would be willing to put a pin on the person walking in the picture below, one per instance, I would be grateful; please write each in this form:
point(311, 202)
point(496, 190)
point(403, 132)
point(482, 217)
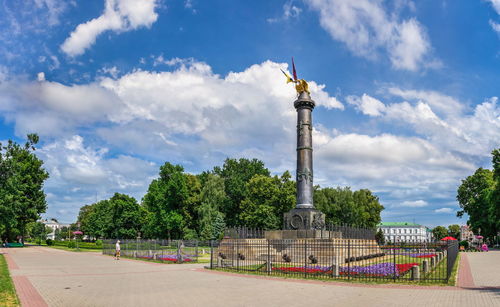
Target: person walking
point(117, 250)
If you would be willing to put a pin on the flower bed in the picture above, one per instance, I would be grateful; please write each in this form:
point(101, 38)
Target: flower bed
point(418, 255)
point(376, 270)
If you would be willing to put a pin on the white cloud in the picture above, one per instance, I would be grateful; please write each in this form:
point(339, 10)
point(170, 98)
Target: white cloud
point(444, 210)
point(415, 203)
point(496, 5)
point(367, 28)
point(495, 26)
point(367, 104)
point(289, 11)
point(118, 16)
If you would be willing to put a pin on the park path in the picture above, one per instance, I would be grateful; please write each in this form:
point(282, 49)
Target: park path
point(50, 277)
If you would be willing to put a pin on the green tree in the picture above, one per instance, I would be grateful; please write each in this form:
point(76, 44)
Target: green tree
point(474, 196)
point(39, 231)
point(267, 199)
point(379, 237)
point(439, 232)
point(22, 176)
point(454, 231)
point(165, 200)
point(236, 175)
point(211, 220)
point(342, 206)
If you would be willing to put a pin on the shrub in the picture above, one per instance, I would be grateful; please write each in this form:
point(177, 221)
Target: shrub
point(465, 244)
point(98, 243)
point(38, 241)
point(49, 242)
point(71, 244)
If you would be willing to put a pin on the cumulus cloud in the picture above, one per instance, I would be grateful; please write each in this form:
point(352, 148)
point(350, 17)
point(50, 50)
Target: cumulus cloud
point(367, 104)
point(414, 203)
point(367, 28)
point(118, 16)
point(444, 210)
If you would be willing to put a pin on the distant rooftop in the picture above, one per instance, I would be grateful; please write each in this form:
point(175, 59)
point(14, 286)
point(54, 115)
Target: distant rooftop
point(398, 224)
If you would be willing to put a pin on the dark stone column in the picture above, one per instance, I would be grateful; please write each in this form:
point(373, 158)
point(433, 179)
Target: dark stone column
point(304, 105)
point(304, 216)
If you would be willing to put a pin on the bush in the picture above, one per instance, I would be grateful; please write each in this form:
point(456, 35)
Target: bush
point(465, 244)
point(98, 243)
point(71, 244)
point(49, 242)
point(38, 241)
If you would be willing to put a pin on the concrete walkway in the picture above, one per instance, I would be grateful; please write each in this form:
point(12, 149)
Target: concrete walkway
point(45, 276)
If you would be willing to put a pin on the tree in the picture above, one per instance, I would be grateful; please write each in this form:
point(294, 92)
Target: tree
point(211, 220)
point(164, 200)
point(474, 197)
point(39, 231)
point(342, 206)
point(379, 237)
point(22, 176)
point(439, 232)
point(267, 199)
point(454, 231)
point(236, 174)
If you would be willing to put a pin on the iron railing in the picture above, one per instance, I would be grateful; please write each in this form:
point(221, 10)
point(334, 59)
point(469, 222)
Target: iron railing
point(179, 251)
point(328, 232)
point(337, 259)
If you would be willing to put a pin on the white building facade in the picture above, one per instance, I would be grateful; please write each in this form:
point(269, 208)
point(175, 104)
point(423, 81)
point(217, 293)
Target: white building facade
point(54, 225)
point(405, 232)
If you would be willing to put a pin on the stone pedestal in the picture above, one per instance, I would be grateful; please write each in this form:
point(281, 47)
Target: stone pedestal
point(304, 219)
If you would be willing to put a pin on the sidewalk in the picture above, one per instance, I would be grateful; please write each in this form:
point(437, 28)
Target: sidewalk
point(63, 278)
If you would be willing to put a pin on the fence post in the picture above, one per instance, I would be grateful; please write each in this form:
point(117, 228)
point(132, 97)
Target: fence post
point(305, 258)
point(211, 254)
point(394, 262)
point(268, 262)
point(349, 259)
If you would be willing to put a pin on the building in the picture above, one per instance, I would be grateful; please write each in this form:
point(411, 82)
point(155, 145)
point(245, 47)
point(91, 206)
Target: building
point(405, 232)
point(466, 234)
point(53, 224)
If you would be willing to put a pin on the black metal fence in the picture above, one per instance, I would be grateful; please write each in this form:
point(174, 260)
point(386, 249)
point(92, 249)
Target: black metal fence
point(174, 251)
point(328, 232)
point(338, 258)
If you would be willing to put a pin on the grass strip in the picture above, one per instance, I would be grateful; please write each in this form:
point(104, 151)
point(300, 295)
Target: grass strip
point(8, 297)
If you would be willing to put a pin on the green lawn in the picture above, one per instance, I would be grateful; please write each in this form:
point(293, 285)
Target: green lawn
point(8, 297)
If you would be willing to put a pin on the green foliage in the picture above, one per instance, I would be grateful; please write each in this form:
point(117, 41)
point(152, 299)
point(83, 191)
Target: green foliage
point(342, 206)
point(439, 232)
point(22, 199)
point(49, 242)
point(236, 175)
point(71, 244)
point(379, 237)
point(211, 220)
point(39, 230)
point(464, 243)
point(454, 231)
point(479, 197)
point(119, 217)
point(165, 200)
point(267, 199)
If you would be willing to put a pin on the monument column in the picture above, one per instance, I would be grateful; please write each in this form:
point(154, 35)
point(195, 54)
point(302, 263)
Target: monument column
point(304, 216)
point(304, 106)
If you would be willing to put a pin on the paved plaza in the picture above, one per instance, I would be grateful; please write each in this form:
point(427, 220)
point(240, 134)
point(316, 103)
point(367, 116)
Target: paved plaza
point(51, 277)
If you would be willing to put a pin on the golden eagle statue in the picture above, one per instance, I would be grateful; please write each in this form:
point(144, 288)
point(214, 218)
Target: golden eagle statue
point(300, 84)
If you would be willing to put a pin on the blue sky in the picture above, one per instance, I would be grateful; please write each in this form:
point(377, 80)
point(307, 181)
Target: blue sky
point(406, 93)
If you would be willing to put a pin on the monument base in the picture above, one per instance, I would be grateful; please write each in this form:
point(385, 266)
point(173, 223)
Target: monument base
point(304, 219)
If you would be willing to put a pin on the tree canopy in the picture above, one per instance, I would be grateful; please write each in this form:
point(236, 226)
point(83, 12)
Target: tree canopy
point(479, 197)
point(239, 193)
point(22, 198)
